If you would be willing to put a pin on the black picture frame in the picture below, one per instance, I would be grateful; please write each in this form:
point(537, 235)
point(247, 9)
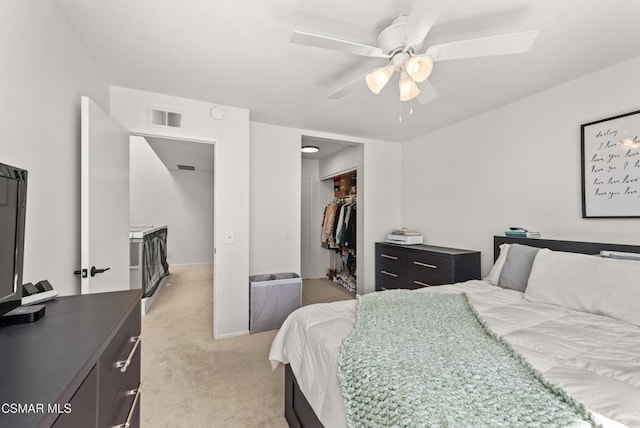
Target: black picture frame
point(610, 163)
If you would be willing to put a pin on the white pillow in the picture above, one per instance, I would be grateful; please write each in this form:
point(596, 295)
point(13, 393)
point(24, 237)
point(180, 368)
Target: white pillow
point(586, 283)
point(494, 274)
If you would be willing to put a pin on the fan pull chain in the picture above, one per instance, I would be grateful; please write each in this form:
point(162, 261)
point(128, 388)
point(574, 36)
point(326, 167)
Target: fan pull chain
point(400, 108)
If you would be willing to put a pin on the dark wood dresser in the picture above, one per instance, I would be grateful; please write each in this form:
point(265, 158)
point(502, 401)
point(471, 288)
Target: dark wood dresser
point(79, 366)
point(417, 266)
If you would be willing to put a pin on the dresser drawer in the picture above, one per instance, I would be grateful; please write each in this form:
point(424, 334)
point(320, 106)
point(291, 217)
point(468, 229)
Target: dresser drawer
point(123, 407)
point(117, 361)
point(391, 255)
point(387, 279)
point(428, 269)
point(417, 266)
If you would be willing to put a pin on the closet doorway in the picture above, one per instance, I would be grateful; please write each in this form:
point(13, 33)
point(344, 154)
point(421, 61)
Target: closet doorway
point(328, 258)
point(171, 191)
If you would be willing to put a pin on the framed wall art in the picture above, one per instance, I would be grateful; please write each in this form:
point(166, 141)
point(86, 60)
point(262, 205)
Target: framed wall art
point(611, 167)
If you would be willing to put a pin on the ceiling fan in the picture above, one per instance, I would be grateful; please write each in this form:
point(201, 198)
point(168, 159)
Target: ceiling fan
point(397, 42)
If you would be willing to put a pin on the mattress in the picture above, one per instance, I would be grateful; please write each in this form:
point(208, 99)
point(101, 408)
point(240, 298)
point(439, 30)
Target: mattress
point(594, 358)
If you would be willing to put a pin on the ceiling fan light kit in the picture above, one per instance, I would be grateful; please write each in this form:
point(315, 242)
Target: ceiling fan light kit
point(419, 68)
point(377, 79)
point(397, 43)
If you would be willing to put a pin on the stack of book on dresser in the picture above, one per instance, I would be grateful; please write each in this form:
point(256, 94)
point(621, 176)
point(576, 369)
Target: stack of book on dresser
point(404, 237)
point(520, 232)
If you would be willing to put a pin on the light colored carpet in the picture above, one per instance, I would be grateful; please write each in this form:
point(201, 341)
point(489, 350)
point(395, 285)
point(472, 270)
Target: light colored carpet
point(323, 290)
point(191, 380)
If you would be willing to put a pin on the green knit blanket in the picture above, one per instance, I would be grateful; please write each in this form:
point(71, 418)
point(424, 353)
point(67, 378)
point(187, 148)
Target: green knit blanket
point(427, 360)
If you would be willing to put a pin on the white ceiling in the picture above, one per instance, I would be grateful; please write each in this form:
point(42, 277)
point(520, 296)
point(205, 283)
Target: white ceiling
point(238, 53)
point(177, 152)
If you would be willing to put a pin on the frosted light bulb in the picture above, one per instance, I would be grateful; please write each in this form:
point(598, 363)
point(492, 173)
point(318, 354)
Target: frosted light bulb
point(377, 79)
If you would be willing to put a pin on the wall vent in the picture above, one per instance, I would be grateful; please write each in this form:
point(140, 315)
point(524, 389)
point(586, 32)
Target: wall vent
point(187, 167)
point(171, 119)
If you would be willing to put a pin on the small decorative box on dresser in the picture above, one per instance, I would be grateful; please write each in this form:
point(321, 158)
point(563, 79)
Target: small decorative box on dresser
point(78, 367)
point(417, 266)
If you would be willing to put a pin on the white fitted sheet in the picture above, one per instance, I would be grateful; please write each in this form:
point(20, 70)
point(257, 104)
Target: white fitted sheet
point(594, 358)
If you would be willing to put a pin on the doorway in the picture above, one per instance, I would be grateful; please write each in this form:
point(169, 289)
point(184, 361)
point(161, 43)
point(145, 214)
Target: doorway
point(172, 185)
point(323, 266)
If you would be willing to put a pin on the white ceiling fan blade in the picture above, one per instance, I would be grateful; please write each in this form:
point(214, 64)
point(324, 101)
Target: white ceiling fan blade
point(427, 93)
point(347, 88)
point(420, 20)
point(485, 46)
point(308, 39)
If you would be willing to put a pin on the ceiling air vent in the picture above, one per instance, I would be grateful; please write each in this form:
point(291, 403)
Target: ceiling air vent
point(187, 167)
point(171, 119)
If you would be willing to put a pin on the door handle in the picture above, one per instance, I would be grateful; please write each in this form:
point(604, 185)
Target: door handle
point(81, 272)
point(95, 271)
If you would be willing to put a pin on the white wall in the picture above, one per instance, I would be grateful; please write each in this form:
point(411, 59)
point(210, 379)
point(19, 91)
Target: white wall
point(231, 171)
point(518, 165)
point(346, 159)
point(380, 202)
point(45, 69)
point(182, 200)
point(275, 199)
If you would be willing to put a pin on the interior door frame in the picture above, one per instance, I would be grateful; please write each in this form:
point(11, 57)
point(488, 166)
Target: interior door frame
point(216, 177)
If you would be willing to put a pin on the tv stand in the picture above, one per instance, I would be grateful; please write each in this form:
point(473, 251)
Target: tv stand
point(23, 315)
point(78, 367)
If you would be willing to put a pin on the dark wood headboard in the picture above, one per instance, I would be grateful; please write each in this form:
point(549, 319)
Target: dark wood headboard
point(568, 246)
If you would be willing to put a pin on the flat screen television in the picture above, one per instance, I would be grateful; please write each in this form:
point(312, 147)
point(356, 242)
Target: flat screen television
point(13, 200)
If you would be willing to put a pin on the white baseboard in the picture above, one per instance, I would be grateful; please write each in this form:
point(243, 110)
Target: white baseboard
point(230, 335)
point(146, 303)
point(189, 264)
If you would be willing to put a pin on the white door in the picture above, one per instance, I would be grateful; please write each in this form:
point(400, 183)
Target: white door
point(104, 206)
point(305, 236)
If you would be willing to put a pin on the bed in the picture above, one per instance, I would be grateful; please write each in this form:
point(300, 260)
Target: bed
point(592, 354)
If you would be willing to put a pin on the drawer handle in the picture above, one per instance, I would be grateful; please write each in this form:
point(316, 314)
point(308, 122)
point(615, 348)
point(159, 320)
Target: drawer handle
point(386, 256)
point(123, 365)
point(422, 284)
point(389, 273)
point(425, 265)
point(127, 423)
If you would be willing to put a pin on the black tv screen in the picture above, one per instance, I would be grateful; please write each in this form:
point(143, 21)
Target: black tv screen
point(13, 195)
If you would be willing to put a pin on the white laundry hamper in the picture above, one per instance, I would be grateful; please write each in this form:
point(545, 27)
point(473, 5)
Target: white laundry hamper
point(272, 298)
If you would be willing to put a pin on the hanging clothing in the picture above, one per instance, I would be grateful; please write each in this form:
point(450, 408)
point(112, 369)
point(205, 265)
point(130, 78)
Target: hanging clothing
point(328, 224)
point(340, 224)
point(339, 234)
point(350, 231)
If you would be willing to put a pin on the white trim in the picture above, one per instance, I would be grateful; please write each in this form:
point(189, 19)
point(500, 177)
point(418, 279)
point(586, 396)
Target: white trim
point(336, 174)
point(172, 136)
point(84, 191)
point(230, 335)
point(217, 232)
